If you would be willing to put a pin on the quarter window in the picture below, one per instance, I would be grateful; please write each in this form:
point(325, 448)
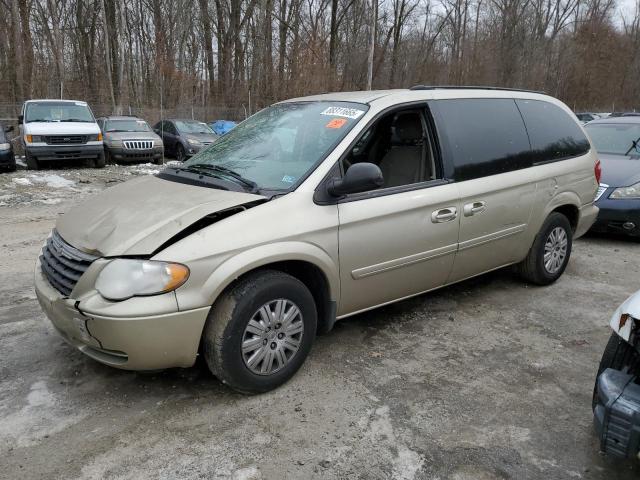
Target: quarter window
point(554, 134)
point(484, 136)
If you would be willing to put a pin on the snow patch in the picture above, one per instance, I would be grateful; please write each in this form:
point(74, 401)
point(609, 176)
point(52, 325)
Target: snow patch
point(22, 181)
point(52, 181)
point(44, 414)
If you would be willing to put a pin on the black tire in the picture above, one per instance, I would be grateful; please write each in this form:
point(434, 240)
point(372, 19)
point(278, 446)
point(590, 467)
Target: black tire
point(532, 268)
point(181, 156)
point(614, 356)
point(159, 161)
point(100, 162)
point(225, 329)
point(108, 160)
point(32, 162)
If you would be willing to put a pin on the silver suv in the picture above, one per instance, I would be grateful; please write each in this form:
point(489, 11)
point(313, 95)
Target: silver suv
point(130, 139)
point(313, 210)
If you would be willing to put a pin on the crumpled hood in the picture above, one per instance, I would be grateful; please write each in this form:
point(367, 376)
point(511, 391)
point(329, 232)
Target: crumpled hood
point(138, 216)
point(619, 171)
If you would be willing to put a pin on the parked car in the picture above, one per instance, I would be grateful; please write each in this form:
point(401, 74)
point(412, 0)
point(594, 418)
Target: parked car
point(60, 130)
point(618, 143)
point(220, 127)
point(585, 117)
point(7, 159)
point(616, 395)
point(130, 139)
point(184, 138)
point(384, 195)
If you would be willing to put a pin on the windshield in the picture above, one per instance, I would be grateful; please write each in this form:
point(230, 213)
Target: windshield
point(186, 126)
point(58, 112)
point(132, 125)
point(279, 145)
point(615, 138)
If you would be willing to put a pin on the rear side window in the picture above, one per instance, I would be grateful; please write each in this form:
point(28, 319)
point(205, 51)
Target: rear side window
point(553, 133)
point(485, 136)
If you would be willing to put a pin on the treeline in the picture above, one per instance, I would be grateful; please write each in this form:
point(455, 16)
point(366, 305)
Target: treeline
point(217, 54)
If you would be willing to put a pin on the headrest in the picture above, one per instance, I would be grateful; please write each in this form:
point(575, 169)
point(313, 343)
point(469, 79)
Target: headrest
point(407, 127)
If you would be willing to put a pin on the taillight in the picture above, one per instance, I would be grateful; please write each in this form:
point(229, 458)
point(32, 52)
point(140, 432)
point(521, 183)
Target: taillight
point(597, 169)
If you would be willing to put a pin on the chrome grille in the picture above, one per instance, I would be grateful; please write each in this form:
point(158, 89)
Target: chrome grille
point(62, 264)
point(138, 144)
point(65, 139)
point(601, 189)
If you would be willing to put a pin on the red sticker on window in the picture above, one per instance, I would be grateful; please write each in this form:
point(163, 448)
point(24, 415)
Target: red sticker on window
point(336, 123)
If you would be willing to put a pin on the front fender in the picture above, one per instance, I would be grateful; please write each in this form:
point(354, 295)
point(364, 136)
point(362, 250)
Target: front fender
point(257, 257)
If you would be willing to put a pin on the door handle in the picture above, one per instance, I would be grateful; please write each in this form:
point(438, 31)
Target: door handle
point(473, 208)
point(444, 215)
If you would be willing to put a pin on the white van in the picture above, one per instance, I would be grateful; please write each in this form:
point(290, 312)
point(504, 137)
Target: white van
point(60, 130)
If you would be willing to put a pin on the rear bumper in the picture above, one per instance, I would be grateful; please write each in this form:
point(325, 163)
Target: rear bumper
point(125, 155)
point(65, 152)
point(617, 414)
point(614, 214)
point(130, 342)
point(587, 215)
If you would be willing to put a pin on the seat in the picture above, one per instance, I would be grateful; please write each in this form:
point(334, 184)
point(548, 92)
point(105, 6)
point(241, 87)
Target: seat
point(403, 162)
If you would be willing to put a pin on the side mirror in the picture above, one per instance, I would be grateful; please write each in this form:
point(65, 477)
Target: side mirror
point(360, 177)
point(9, 128)
point(20, 119)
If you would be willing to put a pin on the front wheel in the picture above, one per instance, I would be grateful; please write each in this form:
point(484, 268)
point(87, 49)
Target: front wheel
point(181, 156)
point(550, 252)
point(260, 331)
point(32, 162)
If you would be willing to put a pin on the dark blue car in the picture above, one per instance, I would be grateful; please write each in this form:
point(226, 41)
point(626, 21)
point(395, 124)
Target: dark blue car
point(7, 159)
point(618, 143)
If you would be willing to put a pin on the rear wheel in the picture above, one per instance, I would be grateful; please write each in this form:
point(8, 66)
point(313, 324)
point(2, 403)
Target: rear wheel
point(32, 162)
point(550, 252)
point(260, 331)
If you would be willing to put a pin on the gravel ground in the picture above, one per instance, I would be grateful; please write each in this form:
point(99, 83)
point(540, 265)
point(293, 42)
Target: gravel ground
point(487, 379)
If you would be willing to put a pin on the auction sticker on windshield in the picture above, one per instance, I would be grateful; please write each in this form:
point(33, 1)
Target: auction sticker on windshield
point(336, 123)
point(343, 112)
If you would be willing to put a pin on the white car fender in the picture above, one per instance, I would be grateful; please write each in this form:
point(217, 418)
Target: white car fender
point(622, 320)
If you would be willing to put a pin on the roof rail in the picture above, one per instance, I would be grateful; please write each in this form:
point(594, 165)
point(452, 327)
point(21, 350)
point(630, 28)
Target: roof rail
point(470, 87)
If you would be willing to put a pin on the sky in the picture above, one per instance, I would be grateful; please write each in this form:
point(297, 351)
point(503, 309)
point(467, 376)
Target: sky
point(625, 8)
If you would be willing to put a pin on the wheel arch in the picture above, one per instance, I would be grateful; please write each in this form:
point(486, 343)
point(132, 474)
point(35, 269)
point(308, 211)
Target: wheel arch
point(308, 263)
point(566, 203)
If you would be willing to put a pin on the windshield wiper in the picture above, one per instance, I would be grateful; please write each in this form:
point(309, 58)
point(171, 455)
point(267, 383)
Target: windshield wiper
point(76, 120)
point(39, 120)
point(226, 171)
point(634, 145)
point(212, 170)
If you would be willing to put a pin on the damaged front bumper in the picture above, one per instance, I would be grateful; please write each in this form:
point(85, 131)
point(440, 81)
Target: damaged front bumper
point(120, 336)
point(617, 413)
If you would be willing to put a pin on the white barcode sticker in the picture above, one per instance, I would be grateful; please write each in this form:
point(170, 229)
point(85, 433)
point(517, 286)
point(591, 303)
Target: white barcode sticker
point(343, 112)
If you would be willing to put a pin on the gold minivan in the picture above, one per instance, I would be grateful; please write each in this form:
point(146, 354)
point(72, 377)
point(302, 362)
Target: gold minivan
point(310, 211)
